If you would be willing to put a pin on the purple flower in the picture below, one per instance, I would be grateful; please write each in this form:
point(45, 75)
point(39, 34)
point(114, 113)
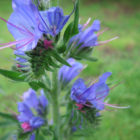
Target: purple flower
point(32, 137)
point(28, 120)
point(19, 59)
point(66, 74)
point(92, 96)
point(86, 38)
point(27, 24)
point(38, 103)
point(54, 20)
point(23, 25)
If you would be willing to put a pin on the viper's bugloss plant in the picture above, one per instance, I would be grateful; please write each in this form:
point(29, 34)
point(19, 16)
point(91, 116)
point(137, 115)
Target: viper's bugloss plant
point(47, 58)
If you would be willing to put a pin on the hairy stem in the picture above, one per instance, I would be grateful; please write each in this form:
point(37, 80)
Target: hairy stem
point(55, 105)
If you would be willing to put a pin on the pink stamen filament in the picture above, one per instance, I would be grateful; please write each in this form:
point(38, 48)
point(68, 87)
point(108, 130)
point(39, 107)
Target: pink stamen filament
point(112, 105)
point(7, 45)
point(101, 32)
point(80, 96)
point(104, 42)
point(86, 24)
point(24, 44)
point(30, 33)
point(20, 29)
point(99, 98)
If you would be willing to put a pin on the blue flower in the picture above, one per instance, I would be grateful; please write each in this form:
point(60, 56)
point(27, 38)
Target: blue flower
point(86, 38)
point(27, 24)
point(23, 25)
point(19, 59)
point(54, 20)
point(29, 121)
point(92, 96)
point(32, 137)
point(67, 74)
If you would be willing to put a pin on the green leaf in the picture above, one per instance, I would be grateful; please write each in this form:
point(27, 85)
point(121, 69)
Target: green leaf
point(59, 58)
point(13, 75)
point(6, 123)
point(52, 63)
point(37, 85)
point(75, 29)
point(24, 57)
point(85, 57)
point(72, 28)
point(67, 33)
point(9, 117)
point(23, 136)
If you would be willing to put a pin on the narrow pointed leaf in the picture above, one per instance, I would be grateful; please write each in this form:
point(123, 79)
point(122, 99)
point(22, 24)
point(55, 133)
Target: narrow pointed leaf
point(59, 58)
point(8, 116)
point(13, 75)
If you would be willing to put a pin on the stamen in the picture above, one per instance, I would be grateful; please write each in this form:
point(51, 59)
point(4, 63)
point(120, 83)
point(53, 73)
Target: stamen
point(20, 29)
point(114, 106)
point(86, 24)
point(7, 45)
point(104, 42)
point(30, 33)
point(101, 32)
point(24, 44)
point(99, 98)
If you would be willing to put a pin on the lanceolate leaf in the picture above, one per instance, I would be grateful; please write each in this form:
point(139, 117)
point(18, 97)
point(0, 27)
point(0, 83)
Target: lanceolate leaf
point(72, 28)
point(59, 58)
point(8, 116)
point(37, 85)
point(6, 123)
point(75, 29)
point(67, 34)
point(13, 75)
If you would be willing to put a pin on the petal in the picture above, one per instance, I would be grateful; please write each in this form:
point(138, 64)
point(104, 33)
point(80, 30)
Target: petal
point(30, 98)
point(66, 74)
point(100, 90)
point(25, 112)
point(36, 122)
point(32, 137)
point(105, 76)
point(16, 3)
point(54, 20)
point(96, 25)
point(77, 90)
point(43, 100)
point(23, 24)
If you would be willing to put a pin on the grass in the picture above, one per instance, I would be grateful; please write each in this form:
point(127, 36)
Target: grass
point(121, 57)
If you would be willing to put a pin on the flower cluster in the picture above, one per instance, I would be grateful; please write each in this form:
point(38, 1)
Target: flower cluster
point(67, 74)
point(48, 59)
point(29, 120)
point(92, 96)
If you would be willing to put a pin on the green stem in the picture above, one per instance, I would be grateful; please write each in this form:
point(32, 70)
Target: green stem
point(55, 105)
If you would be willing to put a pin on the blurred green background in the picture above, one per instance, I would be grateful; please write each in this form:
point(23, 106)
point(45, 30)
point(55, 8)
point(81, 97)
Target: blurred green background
point(121, 57)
